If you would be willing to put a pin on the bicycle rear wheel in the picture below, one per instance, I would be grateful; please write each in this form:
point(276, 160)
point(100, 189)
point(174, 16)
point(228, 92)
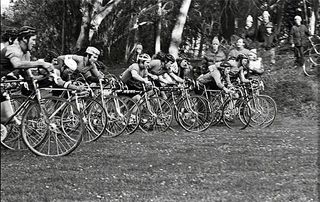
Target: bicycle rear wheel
point(310, 68)
point(133, 115)
point(195, 114)
point(42, 127)
point(13, 139)
point(156, 115)
point(94, 118)
point(233, 110)
point(117, 116)
point(314, 54)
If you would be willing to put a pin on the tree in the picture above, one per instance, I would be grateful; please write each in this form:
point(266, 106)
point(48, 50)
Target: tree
point(178, 28)
point(93, 12)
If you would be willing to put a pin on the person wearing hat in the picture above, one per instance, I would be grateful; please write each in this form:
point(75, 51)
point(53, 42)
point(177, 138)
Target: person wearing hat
point(298, 39)
point(248, 33)
point(213, 55)
point(262, 27)
point(86, 65)
point(270, 43)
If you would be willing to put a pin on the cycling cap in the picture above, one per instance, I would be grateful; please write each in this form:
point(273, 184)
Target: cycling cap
point(169, 57)
point(241, 57)
point(69, 62)
point(225, 64)
point(92, 50)
point(144, 57)
point(26, 31)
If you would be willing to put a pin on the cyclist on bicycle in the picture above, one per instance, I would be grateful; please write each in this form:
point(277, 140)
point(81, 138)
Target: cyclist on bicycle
point(137, 73)
point(222, 74)
point(15, 57)
point(86, 64)
point(160, 70)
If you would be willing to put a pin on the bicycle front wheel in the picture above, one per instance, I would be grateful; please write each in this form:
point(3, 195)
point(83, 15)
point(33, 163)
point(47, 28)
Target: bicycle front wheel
point(42, 127)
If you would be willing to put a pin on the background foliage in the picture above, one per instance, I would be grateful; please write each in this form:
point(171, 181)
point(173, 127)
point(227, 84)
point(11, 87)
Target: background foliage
point(59, 22)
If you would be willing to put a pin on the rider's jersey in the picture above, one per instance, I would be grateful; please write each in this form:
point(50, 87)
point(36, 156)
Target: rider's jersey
point(126, 76)
point(8, 53)
point(157, 68)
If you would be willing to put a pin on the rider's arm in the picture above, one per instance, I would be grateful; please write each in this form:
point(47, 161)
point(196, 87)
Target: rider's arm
point(18, 63)
point(217, 78)
point(96, 72)
point(242, 77)
point(137, 77)
point(176, 78)
point(60, 82)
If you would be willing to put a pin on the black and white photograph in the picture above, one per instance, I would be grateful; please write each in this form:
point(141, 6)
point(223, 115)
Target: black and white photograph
point(160, 100)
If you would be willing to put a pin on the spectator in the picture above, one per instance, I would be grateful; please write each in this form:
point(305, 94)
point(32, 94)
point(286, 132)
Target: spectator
point(133, 58)
point(270, 42)
point(262, 28)
point(240, 49)
point(248, 33)
point(185, 69)
point(213, 55)
point(298, 39)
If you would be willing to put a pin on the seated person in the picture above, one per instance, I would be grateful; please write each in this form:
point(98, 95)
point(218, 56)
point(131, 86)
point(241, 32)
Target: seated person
point(185, 69)
point(239, 49)
point(213, 55)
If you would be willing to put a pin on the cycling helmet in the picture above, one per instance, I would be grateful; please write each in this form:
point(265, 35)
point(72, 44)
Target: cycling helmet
point(168, 57)
point(69, 62)
point(144, 57)
point(26, 31)
point(241, 57)
point(92, 50)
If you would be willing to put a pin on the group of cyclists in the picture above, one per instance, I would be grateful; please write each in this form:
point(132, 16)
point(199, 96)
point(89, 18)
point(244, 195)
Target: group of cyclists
point(160, 70)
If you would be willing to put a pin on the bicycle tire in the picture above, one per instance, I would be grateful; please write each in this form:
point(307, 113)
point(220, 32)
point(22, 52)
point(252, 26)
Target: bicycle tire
point(117, 119)
point(194, 114)
point(158, 118)
point(233, 109)
point(133, 115)
point(14, 140)
point(41, 127)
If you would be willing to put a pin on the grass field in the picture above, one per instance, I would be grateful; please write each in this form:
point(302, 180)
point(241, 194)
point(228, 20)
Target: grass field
point(274, 164)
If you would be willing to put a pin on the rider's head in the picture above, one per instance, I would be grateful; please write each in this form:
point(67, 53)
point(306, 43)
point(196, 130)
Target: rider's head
point(27, 37)
point(9, 36)
point(93, 54)
point(144, 61)
point(168, 60)
point(243, 60)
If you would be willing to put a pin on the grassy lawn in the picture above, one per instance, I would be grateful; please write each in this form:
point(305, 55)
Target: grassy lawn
point(274, 164)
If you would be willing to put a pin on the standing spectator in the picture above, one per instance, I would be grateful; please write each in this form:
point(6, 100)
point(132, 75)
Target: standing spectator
point(262, 28)
point(248, 33)
point(213, 55)
point(133, 58)
point(270, 42)
point(298, 39)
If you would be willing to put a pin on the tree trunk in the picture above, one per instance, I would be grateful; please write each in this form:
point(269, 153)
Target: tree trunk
point(178, 28)
point(102, 12)
point(201, 46)
point(158, 28)
point(63, 33)
point(92, 15)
